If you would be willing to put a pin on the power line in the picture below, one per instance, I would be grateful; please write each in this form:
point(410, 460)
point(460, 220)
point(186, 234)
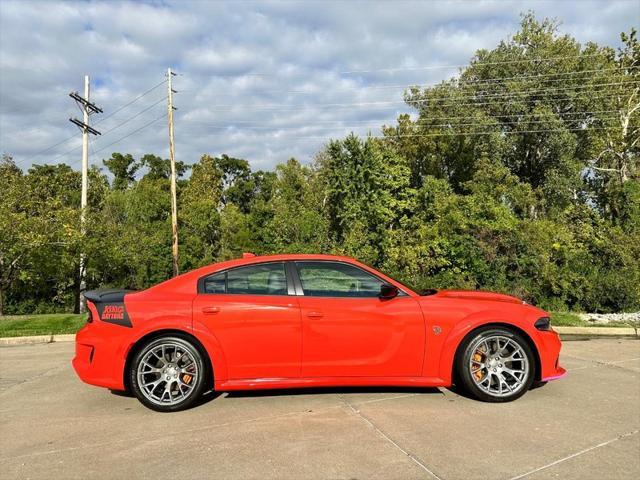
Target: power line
point(54, 145)
point(96, 151)
point(136, 115)
point(508, 132)
point(306, 107)
point(449, 97)
point(542, 75)
point(431, 67)
point(457, 134)
point(439, 118)
point(458, 79)
point(110, 130)
point(512, 100)
point(131, 133)
point(132, 101)
point(535, 91)
point(462, 82)
point(99, 121)
point(415, 123)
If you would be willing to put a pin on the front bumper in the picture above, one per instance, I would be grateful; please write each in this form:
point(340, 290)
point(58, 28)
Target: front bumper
point(549, 346)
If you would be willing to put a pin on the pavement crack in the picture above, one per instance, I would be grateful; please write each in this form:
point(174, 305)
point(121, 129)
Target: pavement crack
point(598, 363)
point(386, 437)
point(577, 454)
point(30, 379)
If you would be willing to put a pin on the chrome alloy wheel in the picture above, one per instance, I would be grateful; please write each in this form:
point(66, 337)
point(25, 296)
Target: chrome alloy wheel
point(498, 365)
point(167, 373)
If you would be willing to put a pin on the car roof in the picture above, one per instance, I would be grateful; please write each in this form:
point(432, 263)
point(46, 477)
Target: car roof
point(183, 283)
point(250, 260)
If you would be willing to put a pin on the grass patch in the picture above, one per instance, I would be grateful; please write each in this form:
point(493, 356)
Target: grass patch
point(570, 319)
point(567, 319)
point(47, 324)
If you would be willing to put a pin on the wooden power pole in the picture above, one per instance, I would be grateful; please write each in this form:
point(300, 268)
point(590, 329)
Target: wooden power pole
point(87, 109)
point(174, 207)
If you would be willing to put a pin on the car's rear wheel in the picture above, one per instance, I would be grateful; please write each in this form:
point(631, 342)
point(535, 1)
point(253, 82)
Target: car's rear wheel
point(168, 374)
point(496, 365)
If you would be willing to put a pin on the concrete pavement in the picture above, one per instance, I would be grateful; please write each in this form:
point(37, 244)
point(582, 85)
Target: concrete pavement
point(583, 426)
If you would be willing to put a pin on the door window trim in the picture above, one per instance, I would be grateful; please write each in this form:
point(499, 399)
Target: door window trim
point(291, 291)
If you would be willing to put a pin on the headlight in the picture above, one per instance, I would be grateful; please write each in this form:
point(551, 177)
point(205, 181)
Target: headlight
point(543, 323)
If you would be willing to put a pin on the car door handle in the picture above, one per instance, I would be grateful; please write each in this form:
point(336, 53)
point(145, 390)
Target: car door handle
point(315, 314)
point(210, 310)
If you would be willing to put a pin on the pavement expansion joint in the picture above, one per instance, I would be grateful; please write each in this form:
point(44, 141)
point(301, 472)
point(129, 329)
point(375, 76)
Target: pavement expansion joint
point(576, 454)
point(598, 363)
point(386, 437)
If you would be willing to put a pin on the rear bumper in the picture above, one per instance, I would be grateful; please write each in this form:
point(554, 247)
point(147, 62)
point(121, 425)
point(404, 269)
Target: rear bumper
point(98, 360)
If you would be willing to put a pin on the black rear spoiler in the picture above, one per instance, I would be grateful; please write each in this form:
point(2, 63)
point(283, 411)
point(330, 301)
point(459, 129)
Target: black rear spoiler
point(110, 305)
point(107, 295)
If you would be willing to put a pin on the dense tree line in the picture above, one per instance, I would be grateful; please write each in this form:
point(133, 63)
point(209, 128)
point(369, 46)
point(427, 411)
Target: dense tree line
point(519, 176)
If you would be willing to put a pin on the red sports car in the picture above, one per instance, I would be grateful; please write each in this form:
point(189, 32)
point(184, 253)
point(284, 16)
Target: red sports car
point(307, 321)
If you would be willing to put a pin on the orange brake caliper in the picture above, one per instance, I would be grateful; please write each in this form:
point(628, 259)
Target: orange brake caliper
point(477, 357)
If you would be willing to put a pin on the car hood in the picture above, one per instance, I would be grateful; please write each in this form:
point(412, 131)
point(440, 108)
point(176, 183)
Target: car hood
point(477, 295)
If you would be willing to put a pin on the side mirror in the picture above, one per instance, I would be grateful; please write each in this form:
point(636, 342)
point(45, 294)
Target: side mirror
point(388, 291)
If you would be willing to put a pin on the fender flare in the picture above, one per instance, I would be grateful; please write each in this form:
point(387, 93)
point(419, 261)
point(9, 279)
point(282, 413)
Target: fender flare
point(473, 322)
point(168, 325)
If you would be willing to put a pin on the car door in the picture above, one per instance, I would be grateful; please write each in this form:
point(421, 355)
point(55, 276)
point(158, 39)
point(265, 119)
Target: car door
point(349, 331)
point(254, 314)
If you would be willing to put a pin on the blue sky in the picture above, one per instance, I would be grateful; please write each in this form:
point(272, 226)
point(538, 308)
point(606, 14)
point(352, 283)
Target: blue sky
point(264, 81)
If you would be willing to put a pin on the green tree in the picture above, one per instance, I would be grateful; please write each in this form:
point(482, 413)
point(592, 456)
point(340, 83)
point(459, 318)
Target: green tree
point(160, 168)
point(123, 168)
point(199, 215)
point(367, 190)
point(297, 222)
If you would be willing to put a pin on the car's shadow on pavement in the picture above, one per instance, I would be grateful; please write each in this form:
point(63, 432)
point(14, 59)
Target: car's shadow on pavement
point(329, 390)
point(122, 393)
point(205, 398)
point(281, 392)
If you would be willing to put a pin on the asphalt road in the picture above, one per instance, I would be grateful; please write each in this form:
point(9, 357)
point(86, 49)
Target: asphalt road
point(583, 426)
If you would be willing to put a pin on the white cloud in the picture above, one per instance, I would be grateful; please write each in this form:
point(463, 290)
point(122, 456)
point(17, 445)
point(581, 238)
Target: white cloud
point(238, 57)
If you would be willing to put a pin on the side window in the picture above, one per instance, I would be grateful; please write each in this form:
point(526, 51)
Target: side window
point(216, 283)
point(334, 279)
point(262, 279)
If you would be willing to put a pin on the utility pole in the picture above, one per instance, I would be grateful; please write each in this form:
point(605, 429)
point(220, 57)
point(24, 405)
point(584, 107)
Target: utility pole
point(87, 109)
point(174, 206)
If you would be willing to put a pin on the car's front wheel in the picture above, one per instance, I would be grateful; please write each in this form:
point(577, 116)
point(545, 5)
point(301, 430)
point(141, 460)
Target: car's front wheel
point(496, 365)
point(168, 374)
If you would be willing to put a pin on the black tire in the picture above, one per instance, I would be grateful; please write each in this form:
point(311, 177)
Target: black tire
point(183, 348)
point(464, 364)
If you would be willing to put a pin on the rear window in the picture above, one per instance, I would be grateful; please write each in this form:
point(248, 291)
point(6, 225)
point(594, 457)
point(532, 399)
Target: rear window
point(262, 279)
